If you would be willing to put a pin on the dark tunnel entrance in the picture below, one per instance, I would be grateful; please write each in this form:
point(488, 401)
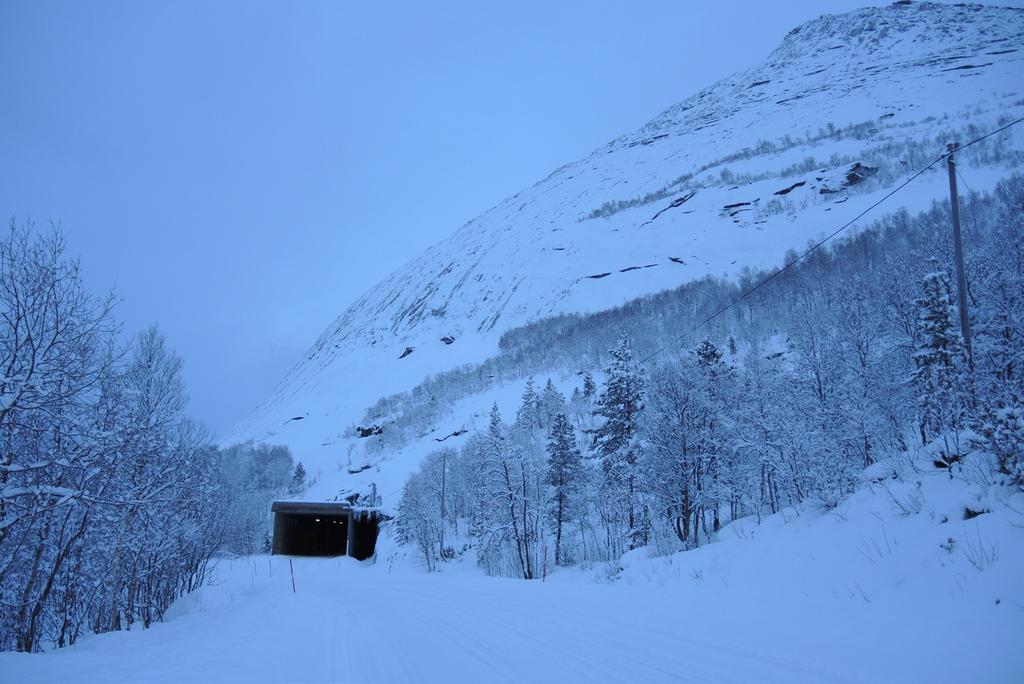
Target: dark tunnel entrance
point(310, 535)
point(313, 528)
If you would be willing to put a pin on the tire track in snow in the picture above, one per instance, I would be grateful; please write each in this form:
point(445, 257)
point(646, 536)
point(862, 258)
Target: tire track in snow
point(576, 640)
point(725, 662)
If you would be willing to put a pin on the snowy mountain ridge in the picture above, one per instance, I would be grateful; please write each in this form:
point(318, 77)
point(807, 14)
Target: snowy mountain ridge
point(857, 46)
point(729, 178)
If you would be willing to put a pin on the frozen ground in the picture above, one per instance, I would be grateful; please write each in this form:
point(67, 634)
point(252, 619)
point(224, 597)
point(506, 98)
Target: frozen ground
point(873, 592)
point(346, 624)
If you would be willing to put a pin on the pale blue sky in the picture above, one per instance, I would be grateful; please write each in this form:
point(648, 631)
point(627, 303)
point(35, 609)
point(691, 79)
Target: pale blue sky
point(241, 171)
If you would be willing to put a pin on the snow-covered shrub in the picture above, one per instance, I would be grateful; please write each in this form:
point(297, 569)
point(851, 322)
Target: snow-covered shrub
point(112, 502)
point(253, 475)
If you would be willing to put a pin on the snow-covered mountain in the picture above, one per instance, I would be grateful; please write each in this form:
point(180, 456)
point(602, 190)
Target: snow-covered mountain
point(846, 108)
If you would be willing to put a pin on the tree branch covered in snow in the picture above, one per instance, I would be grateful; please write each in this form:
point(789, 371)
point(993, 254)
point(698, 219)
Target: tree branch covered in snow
point(112, 503)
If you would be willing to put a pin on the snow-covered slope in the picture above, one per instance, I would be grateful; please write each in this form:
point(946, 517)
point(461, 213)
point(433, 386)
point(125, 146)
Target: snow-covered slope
point(843, 110)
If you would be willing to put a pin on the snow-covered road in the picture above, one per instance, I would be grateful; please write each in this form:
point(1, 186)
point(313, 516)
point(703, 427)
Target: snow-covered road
point(351, 622)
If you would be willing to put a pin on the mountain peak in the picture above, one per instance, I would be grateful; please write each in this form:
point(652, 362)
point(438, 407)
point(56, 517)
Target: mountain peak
point(846, 51)
point(878, 30)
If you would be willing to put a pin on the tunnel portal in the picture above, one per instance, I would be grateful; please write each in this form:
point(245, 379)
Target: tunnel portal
point(320, 528)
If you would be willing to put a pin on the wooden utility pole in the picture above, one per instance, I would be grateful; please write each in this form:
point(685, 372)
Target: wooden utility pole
point(958, 249)
point(444, 472)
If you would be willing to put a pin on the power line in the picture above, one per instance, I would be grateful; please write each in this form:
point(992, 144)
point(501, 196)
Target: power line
point(991, 133)
point(964, 180)
point(817, 245)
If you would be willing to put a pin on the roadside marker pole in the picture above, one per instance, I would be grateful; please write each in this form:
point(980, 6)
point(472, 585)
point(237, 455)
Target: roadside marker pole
point(292, 570)
point(444, 473)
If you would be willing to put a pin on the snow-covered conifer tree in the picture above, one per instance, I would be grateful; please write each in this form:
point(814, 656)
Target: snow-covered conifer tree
point(620, 405)
point(589, 386)
point(564, 475)
point(939, 377)
point(298, 484)
point(552, 404)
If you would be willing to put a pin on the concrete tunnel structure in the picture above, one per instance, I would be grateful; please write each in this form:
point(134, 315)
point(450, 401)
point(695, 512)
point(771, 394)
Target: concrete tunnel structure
point(322, 528)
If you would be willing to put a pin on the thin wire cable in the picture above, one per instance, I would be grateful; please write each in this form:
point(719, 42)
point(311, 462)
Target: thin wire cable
point(964, 180)
point(989, 134)
point(817, 245)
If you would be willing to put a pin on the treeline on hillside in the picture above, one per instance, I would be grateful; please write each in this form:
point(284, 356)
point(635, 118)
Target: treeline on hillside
point(112, 500)
point(851, 356)
point(891, 159)
point(885, 250)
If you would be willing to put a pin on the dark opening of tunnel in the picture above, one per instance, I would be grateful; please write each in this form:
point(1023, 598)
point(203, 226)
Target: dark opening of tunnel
point(297, 534)
point(324, 529)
